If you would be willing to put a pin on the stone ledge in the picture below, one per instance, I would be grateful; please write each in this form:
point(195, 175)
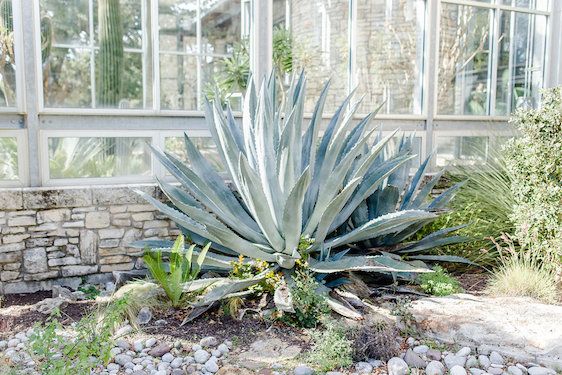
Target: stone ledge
point(74, 196)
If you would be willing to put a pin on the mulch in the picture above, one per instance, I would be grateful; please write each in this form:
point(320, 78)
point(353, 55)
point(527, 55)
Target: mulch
point(474, 283)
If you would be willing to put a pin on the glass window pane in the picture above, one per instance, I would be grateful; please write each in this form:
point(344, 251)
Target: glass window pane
point(178, 81)
point(452, 150)
point(389, 54)
point(177, 21)
point(7, 57)
point(320, 31)
point(65, 22)
point(520, 60)
point(8, 158)
point(92, 53)
point(206, 146)
point(528, 4)
point(82, 157)
point(220, 26)
point(464, 60)
point(67, 81)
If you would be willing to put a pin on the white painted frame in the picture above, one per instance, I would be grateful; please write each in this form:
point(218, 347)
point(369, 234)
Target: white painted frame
point(21, 136)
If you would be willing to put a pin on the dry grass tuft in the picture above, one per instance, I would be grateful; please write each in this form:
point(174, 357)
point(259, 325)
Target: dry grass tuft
point(523, 273)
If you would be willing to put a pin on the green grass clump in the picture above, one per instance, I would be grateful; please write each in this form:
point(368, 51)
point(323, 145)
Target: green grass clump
point(332, 348)
point(439, 283)
point(523, 273)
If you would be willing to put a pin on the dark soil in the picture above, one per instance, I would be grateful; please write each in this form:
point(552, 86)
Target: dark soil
point(474, 283)
point(24, 299)
point(223, 327)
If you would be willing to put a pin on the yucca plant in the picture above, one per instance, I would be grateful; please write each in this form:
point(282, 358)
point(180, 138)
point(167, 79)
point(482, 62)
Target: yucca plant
point(181, 268)
point(288, 187)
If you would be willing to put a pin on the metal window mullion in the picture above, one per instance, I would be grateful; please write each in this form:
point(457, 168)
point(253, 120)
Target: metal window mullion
point(31, 65)
point(494, 43)
point(92, 52)
point(352, 42)
point(510, 81)
point(261, 39)
point(433, 10)
point(155, 32)
point(497, 6)
point(199, 52)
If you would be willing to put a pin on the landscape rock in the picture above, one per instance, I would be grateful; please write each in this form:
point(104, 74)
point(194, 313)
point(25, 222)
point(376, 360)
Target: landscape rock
point(397, 366)
point(452, 360)
point(514, 370)
point(303, 370)
point(414, 360)
point(363, 367)
point(48, 305)
point(144, 316)
point(435, 368)
point(160, 350)
point(484, 361)
point(517, 327)
point(536, 370)
point(457, 370)
point(201, 356)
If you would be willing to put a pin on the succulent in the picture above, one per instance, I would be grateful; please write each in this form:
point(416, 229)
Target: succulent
point(400, 192)
point(289, 187)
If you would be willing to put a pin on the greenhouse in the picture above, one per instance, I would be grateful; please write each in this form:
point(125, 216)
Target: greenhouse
point(281, 187)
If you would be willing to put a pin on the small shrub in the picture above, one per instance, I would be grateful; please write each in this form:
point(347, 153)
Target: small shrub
point(375, 340)
point(89, 347)
point(523, 273)
point(439, 283)
point(535, 161)
point(247, 270)
point(181, 269)
point(332, 348)
point(310, 307)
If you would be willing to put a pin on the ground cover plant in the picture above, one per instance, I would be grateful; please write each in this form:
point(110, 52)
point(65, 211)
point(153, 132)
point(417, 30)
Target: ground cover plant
point(294, 197)
point(439, 283)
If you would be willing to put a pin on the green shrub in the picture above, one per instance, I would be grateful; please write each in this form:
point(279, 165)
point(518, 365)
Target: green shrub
point(535, 161)
point(180, 270)
point(89, 348)
point(309, 305)
point(523, 273)
point(439, 283)
point(332, 348)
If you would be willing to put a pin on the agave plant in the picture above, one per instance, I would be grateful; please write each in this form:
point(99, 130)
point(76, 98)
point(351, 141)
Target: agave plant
point(288, 186)
point(400, 192)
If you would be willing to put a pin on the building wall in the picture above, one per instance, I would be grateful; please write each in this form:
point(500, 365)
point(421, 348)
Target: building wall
point(61, 235)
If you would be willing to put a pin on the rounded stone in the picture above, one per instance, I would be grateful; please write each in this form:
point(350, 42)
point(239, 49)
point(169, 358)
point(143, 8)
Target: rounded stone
point(457, 370)
point(435, 368)
point(112, 367)
point(138, 345)
point(397, 366)
point(167, 357)
point(223, 348)
point(496, 358)
point(201, 356)
point(208, 341)
point(176, 362)
point(514, 370)
point(122, 359)
point(484, 361)
point(472, 361)
point(421, 349)
point(150, 342)
point(537, 370)
point(211, 366)
point(452, 360)
point(303, 370)
point(363, 367)
point(463, 352)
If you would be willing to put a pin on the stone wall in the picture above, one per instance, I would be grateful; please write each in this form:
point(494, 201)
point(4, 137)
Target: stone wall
point(61, 235)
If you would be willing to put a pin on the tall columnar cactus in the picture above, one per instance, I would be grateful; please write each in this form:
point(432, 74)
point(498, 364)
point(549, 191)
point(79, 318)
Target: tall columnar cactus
point(6, 15)
point(110, 63)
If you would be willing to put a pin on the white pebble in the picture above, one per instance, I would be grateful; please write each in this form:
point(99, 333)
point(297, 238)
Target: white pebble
point(211, 366)
point(463, 352)
point(457, 370)
point(167, 357)
point(150, 342)
point(201, 356)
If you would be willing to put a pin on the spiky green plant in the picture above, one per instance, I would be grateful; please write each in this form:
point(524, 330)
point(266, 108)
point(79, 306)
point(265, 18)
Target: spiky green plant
point(182, 268)
point(397, 193)
point(288, 186)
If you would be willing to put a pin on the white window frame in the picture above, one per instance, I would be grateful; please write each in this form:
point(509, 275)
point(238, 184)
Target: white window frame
point(44, 136)
point(496, 7)
point(21, 136)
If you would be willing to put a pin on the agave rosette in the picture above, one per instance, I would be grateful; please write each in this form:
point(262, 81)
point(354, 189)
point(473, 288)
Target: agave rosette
point(288, 186)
